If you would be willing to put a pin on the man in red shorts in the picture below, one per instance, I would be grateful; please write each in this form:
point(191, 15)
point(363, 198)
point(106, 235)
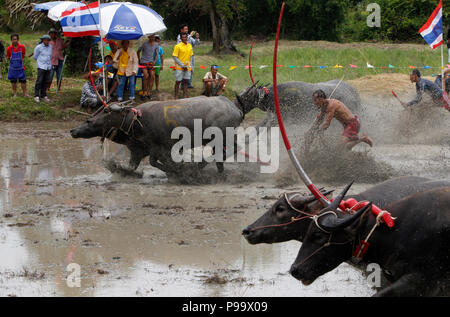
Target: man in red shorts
point(332, 108)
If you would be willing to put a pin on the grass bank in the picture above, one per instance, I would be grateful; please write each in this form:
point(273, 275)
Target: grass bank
point(293, 55)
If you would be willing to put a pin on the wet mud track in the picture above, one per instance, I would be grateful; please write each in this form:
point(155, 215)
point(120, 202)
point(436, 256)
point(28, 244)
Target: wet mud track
point(149, 236)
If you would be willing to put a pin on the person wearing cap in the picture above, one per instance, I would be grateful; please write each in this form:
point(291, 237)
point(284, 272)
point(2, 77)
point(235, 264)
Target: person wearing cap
point(422, 86)
point(159, 66)
point(58, 45)
point(214, 83)
point(16, 72)
point(43, 56)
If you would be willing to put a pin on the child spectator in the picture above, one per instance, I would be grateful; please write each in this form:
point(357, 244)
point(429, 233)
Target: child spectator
point(159, 62)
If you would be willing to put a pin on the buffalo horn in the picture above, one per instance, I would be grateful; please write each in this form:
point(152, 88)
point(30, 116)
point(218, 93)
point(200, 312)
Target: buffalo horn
point(332, 223)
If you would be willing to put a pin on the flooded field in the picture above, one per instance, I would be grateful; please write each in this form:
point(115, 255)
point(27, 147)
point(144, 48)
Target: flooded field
point(152, 236)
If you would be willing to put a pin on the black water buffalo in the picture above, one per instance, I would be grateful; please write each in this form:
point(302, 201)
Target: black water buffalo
point(267, 229)
point(415, 251)
point(296, 101)
point(146, 130)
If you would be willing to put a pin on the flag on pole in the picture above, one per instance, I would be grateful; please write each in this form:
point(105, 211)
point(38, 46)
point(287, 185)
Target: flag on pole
point(82, 21)
point(432, 30)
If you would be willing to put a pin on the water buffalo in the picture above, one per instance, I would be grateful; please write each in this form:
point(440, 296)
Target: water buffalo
point(296, 101)
point(271, 226)
point(414, 251)
point(146, 130)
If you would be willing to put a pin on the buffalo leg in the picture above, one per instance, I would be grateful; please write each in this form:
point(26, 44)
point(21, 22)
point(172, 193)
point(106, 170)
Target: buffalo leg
point(135, 159)
point(154, 162)
point(407, 285)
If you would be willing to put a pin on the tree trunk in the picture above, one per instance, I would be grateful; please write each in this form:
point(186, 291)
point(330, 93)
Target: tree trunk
point(222, 43)
point(228, 46)
point(215, 29)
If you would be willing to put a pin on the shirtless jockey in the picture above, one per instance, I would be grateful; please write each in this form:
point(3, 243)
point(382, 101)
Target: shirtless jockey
point(332, 108)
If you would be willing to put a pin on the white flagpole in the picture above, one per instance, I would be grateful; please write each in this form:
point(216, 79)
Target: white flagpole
point(442, 66)
point(101, 48)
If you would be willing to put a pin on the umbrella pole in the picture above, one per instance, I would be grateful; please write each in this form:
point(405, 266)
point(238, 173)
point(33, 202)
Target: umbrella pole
point(58, 85)
point(101, 48)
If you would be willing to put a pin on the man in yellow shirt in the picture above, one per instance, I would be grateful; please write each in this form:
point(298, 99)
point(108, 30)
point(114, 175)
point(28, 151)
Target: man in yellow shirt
point(182, 54)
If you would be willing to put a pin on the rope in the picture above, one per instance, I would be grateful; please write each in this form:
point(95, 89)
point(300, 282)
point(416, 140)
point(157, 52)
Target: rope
point(293, 220)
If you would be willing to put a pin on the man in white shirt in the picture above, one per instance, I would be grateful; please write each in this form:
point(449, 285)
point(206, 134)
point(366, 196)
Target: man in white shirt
point(214, 83)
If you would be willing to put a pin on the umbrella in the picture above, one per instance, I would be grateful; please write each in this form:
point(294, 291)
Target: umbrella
point(56, 8)
point(129, 21)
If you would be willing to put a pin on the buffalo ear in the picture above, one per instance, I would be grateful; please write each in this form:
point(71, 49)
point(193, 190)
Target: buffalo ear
point(312, 205)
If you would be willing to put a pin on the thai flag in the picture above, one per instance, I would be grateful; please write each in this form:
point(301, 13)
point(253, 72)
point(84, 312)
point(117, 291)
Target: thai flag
point(82, 21)
point(432, 30)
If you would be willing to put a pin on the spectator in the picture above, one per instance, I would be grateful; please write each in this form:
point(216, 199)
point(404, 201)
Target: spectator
point(112, 86)
point(113, 82)
point(127, 65)
point(16, 73)
point(148, 60)
point(43, 56)
point(58, 45)
point(89, 98)
point(214, 83)
point(448, 44)
point(159, 62)
point(113, 46)
point(2, 56)
point(194, 40)
point(182, 54)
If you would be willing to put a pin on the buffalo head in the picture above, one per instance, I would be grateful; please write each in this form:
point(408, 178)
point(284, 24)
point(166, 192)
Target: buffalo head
point(252, 98)
point(329, 241)
point(102, 123)
point(276, 224)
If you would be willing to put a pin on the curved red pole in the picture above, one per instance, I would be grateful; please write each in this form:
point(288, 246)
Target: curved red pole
point(266, 91)
point(92, 81)
point(314, 190)
point(250, 63)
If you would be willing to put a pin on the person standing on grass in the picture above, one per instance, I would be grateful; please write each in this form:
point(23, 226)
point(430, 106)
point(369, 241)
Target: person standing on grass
point(214, 83)
point(2, 56)
point(16, 73)
point(182, 54)
point(58, 45)
point(43, 56)
point(194, 40)
point(448, 44)
point(159, 62)
point(147, 61)
point(127, 64)
point(113, 69)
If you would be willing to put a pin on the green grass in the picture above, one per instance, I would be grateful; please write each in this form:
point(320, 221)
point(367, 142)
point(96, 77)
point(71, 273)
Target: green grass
point(290, 53)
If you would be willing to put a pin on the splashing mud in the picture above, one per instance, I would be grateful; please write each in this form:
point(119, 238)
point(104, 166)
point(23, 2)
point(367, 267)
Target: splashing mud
point(157, 235)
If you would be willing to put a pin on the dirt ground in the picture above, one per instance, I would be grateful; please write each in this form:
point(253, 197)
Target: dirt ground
point(153, 236)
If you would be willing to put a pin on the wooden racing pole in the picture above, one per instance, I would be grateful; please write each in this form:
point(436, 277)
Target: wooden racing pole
point(347, 204)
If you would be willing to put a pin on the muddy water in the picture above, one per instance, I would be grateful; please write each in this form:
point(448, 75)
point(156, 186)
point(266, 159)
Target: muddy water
point(148, 236)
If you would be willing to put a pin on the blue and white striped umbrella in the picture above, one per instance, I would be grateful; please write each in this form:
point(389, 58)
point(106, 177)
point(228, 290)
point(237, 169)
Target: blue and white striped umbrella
point(56, 8)
point(129, 21)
